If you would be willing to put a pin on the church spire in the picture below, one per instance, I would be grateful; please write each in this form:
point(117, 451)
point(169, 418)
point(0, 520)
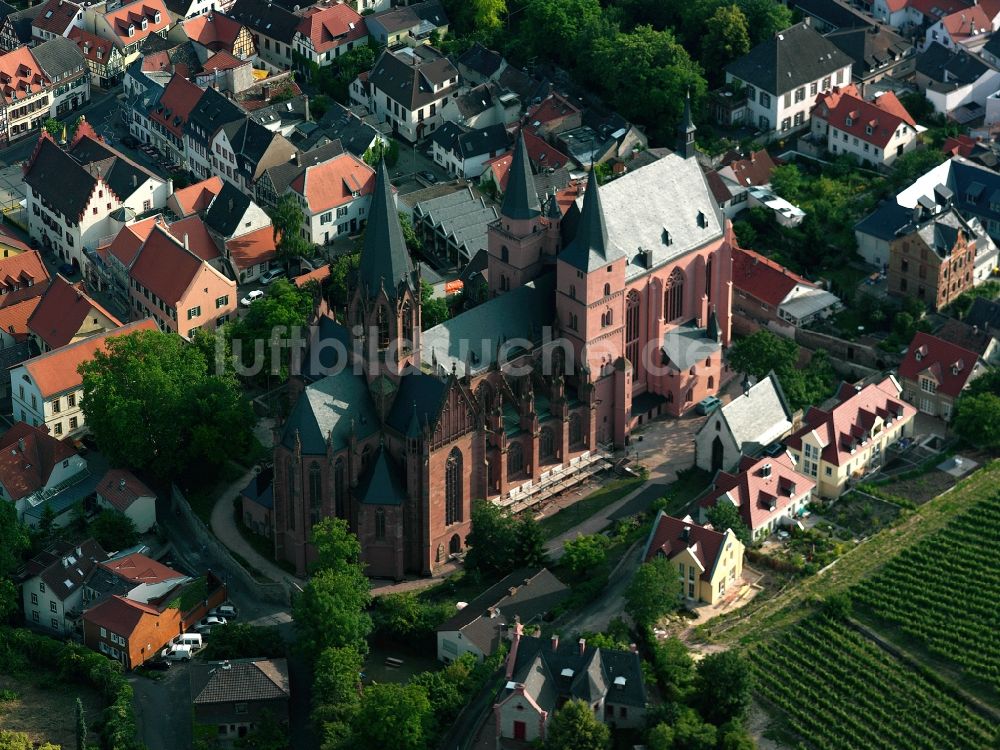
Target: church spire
point(520, 201)
point(591, 248)
point(686, 130)
point(385, 261)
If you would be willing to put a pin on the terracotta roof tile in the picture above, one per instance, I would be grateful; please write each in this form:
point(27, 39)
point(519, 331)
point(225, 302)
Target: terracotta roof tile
point(14, 318)
point(164, 267)
point(89, 45)
point(541, 154)
point(954, 365)
point(20, 72)
point(763, 278)
point(119, 615)
point(330, 184)
point(125, 246)
point(762, 489)
point(199, 241)
point(132, 15)
point(215, 31)
point(197, 197)
point(62, 312)
point(56, 371)
point(121, 488)
point(56, 16)
point(138, 568)
point(320, 275)
point(11, 240)
point(222, 60)
point(175, 104)
point(967, 23)
point(671, 536)
point(332, 26)
point(26, 271)
point(857, 116)
point(754, 170)
point(23, 472)
point(252, 248)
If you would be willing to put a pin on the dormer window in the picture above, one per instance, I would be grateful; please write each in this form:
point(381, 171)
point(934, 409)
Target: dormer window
point(156, 17)
point(702, 220)
point(868, 129)
point(145, 23)
point(100, 53)
point(131, 29)
point(848, 121)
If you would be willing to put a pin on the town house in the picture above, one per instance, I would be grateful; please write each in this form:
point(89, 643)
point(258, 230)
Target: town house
point(52, 585)
point(874, 132)
point(327, 32)
point(38, 474)
point(274, 30)
point(934, 373)
point(127, 26)
point(334, 196)
point(66, 314)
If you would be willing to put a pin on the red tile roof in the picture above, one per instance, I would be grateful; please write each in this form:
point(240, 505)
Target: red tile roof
point(959, 145)
point(948, 364)
point(20, 73)
point(500, 166)
point(63, 310)
point(935, 9)
point(138, 568)
point(755, 170)
point(252, 248)
point(56, 371)
point(966, 23)
point(671, 536)
point(164, 267)
point(332, 183)
point(132, 15)
point(320, 275)
point(895, 6)
point(89, 45)
point(23, 472)
point(541, 154)
point(11, 240)
point(762, 278)
point(760, 493)
point(854, 115)
point(14, 318)
point(56, 16)
point(199, 241)
point(215, 31)
point(22, 276)
point(197, 197)
point(125, 246)
point(332, 26)
point(175, 105)
point(718, 186)
point(121, 488)
point(851, 420)
point(222, 60)
point(119, 615)
point(552, 108)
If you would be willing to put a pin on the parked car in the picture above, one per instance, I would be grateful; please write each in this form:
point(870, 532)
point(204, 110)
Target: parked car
point(130, 140)
point(66, 269)
point(255, 295)
point(268, 276)
point(177, 653)
point(225, 611)
point(206, 624)
point(159, 664)
point(428, 176)
point(707, 405)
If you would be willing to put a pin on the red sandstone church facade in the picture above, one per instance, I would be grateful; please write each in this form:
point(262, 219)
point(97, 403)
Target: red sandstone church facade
point(599, 318)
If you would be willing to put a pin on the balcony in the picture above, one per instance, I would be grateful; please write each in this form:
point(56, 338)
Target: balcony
point(556, 480)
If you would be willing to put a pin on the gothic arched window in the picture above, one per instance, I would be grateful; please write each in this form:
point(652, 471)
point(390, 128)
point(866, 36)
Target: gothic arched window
point(546, 443)
point(607, 290)
point(632, 328)
point(673, 297)
point(315, 492)
point(340, 488)
point(515, 460)
point(380, 523)
point(382, 321)
point(290, 505)
point(575, 430)
point(408, 321)
point(708, 278)
point(505, 254)
point(453, 487)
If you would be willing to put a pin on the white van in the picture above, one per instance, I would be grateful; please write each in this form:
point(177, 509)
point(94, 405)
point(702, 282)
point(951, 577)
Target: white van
point(177, 653)
point(189, 639)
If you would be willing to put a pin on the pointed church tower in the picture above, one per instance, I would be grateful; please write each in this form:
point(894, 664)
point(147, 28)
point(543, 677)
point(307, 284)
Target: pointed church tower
point(590, 275)
point(686, 131)
point(385, 308)
point(517, 244)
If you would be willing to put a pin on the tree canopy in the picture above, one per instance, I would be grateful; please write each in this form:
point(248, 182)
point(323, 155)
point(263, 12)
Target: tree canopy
point(654, 591)
point(585, 552)
point(724, 515)
point(724, 685)
point(500, 543)
point(281, 315)
point(756, 355)
point(287, 219)
point(113, 530)
point(977, 420)
point(575, 727)
point(393, 716)
point(152, 404)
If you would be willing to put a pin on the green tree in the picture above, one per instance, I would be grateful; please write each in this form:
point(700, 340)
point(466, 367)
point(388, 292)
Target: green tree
point(113, 530)
point(673, 667)
point(280, 316)
point(788, 182)
point(724, 515)
point(488, 15)
point(554, 29)
point(337, 547)
point(433, 310)
point(654, 591)
point(660, 737)
point(758, 354)
point(977, 420)
point(288, 220)
point(337, 685)
point(530, 542)
point(734, 736)
point(448, 689)
point(492, 540)
point(691, 732)
point(575, 727)
point(585, 552)
point(393, 716)
point(151, 404)
point(724, 686)
point(268, 734)
point(405, 618)
point(330, 612)
point(727, 37)
point(343, 270)
point(10, 740)
point(413, 243)
point(765, 18)
point(909, 166)
point(382, 149)
point(81, 726)
point(53, 127)
point(241, 640)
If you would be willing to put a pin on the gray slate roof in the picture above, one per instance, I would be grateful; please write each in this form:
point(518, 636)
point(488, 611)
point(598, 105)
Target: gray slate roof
point(226, 209)
point(264, 17)
point(382, 485)
point(479, 332)
point(520, 200)
point(484, 61)
point(331, 405)
point(591, 248)
point(883, 223)
point(789, 59)
point(984, 313)
point(948, 68)
point(211, 112)
point(59, 57)
point(536, 591)
point(407, 76)
point(355, 135)
point(419, 394)
point(687, 344)
point(245, 681)
point(759, 417)
point(870, 51)
point(385, 259)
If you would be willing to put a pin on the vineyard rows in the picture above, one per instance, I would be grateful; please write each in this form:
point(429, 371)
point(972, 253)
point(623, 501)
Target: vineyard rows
point(945, 592)
point(839, 691)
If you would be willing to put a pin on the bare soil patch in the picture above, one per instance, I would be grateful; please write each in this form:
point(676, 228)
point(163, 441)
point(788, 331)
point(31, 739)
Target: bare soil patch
point(46, 708)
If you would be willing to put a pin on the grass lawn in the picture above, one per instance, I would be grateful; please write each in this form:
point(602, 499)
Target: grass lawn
point(581, 510)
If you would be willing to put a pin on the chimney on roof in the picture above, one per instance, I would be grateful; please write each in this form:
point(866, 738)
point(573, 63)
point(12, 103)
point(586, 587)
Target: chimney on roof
point(583, 646)
point(512, 590)
point(766, 470)
point(20, 444)
point(186, 246)
point(555, 641)
point(121, 483)
point(686, 533)
point(306, 102)
point(265, 92)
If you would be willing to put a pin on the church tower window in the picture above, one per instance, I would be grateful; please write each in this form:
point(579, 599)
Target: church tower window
point(453, 487)
point(515, 460)
point(380, 523)
point(673, 297)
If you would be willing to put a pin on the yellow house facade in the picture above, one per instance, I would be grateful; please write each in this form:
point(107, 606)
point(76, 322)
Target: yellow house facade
point(848, 441)
point(709, 563)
